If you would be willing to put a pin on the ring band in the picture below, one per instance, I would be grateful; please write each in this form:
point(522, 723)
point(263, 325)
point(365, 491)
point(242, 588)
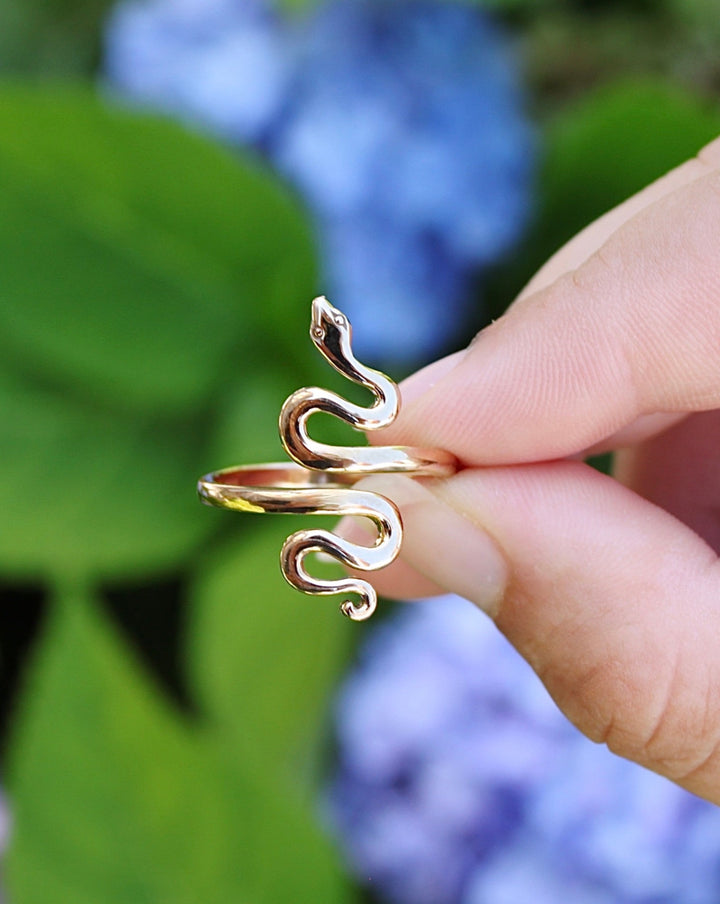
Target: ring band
point(320, 479)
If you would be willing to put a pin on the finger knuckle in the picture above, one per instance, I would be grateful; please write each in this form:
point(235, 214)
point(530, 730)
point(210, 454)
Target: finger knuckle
point(685, 736)
point(667, 719)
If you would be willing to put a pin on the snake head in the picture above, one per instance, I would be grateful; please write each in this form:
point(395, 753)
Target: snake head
point(330, 330)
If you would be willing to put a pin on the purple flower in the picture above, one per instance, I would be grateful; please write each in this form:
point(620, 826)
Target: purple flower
point(458, 780)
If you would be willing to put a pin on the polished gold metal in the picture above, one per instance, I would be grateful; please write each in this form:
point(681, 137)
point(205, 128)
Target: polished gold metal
point(320, 482)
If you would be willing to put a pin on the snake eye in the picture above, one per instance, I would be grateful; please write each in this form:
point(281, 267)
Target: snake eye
point(318, 332)
point(339, 320)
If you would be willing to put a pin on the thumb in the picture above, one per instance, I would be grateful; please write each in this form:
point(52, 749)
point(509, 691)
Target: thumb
point(612, 600)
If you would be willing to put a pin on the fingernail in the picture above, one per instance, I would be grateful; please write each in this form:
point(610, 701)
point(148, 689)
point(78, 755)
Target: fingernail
point(440, 542)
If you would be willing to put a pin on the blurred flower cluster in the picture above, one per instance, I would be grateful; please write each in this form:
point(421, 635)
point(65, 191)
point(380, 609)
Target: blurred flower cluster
point(400, 123)
point(460, 781)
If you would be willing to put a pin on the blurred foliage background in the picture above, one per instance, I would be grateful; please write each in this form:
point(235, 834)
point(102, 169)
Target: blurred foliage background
point(164, 695)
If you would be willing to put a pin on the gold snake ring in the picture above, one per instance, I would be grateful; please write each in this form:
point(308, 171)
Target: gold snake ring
point(320, 481)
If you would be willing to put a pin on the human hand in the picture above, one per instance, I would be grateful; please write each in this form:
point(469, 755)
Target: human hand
point(610, 587)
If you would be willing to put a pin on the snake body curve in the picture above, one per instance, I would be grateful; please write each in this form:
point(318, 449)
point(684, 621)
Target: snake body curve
point(320, 479)
point(331, 333)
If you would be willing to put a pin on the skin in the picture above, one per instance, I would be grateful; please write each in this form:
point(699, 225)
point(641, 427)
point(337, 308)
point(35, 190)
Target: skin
point(608, 586)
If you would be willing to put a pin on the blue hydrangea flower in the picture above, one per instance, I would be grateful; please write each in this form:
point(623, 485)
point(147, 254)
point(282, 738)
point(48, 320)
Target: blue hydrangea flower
point(459, 782)
point(370, 264)
point(404, 130)
point(400, 122)
point(220, 64)
point(410, 111)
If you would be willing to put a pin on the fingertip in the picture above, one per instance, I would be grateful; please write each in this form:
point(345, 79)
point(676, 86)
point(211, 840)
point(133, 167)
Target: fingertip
point(425, 379)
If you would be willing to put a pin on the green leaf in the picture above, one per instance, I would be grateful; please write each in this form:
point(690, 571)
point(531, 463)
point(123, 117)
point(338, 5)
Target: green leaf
point(117, 799)
point(702, 17)
point(88, 493)
point(613, 144)
point(58, 38)
point(140, 263)
point(112, 798)
point(277, 852)
point(262, 656)
point(247, 420)
point(247, 414)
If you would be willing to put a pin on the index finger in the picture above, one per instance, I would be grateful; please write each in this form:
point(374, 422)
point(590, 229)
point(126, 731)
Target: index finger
point(633, 330)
